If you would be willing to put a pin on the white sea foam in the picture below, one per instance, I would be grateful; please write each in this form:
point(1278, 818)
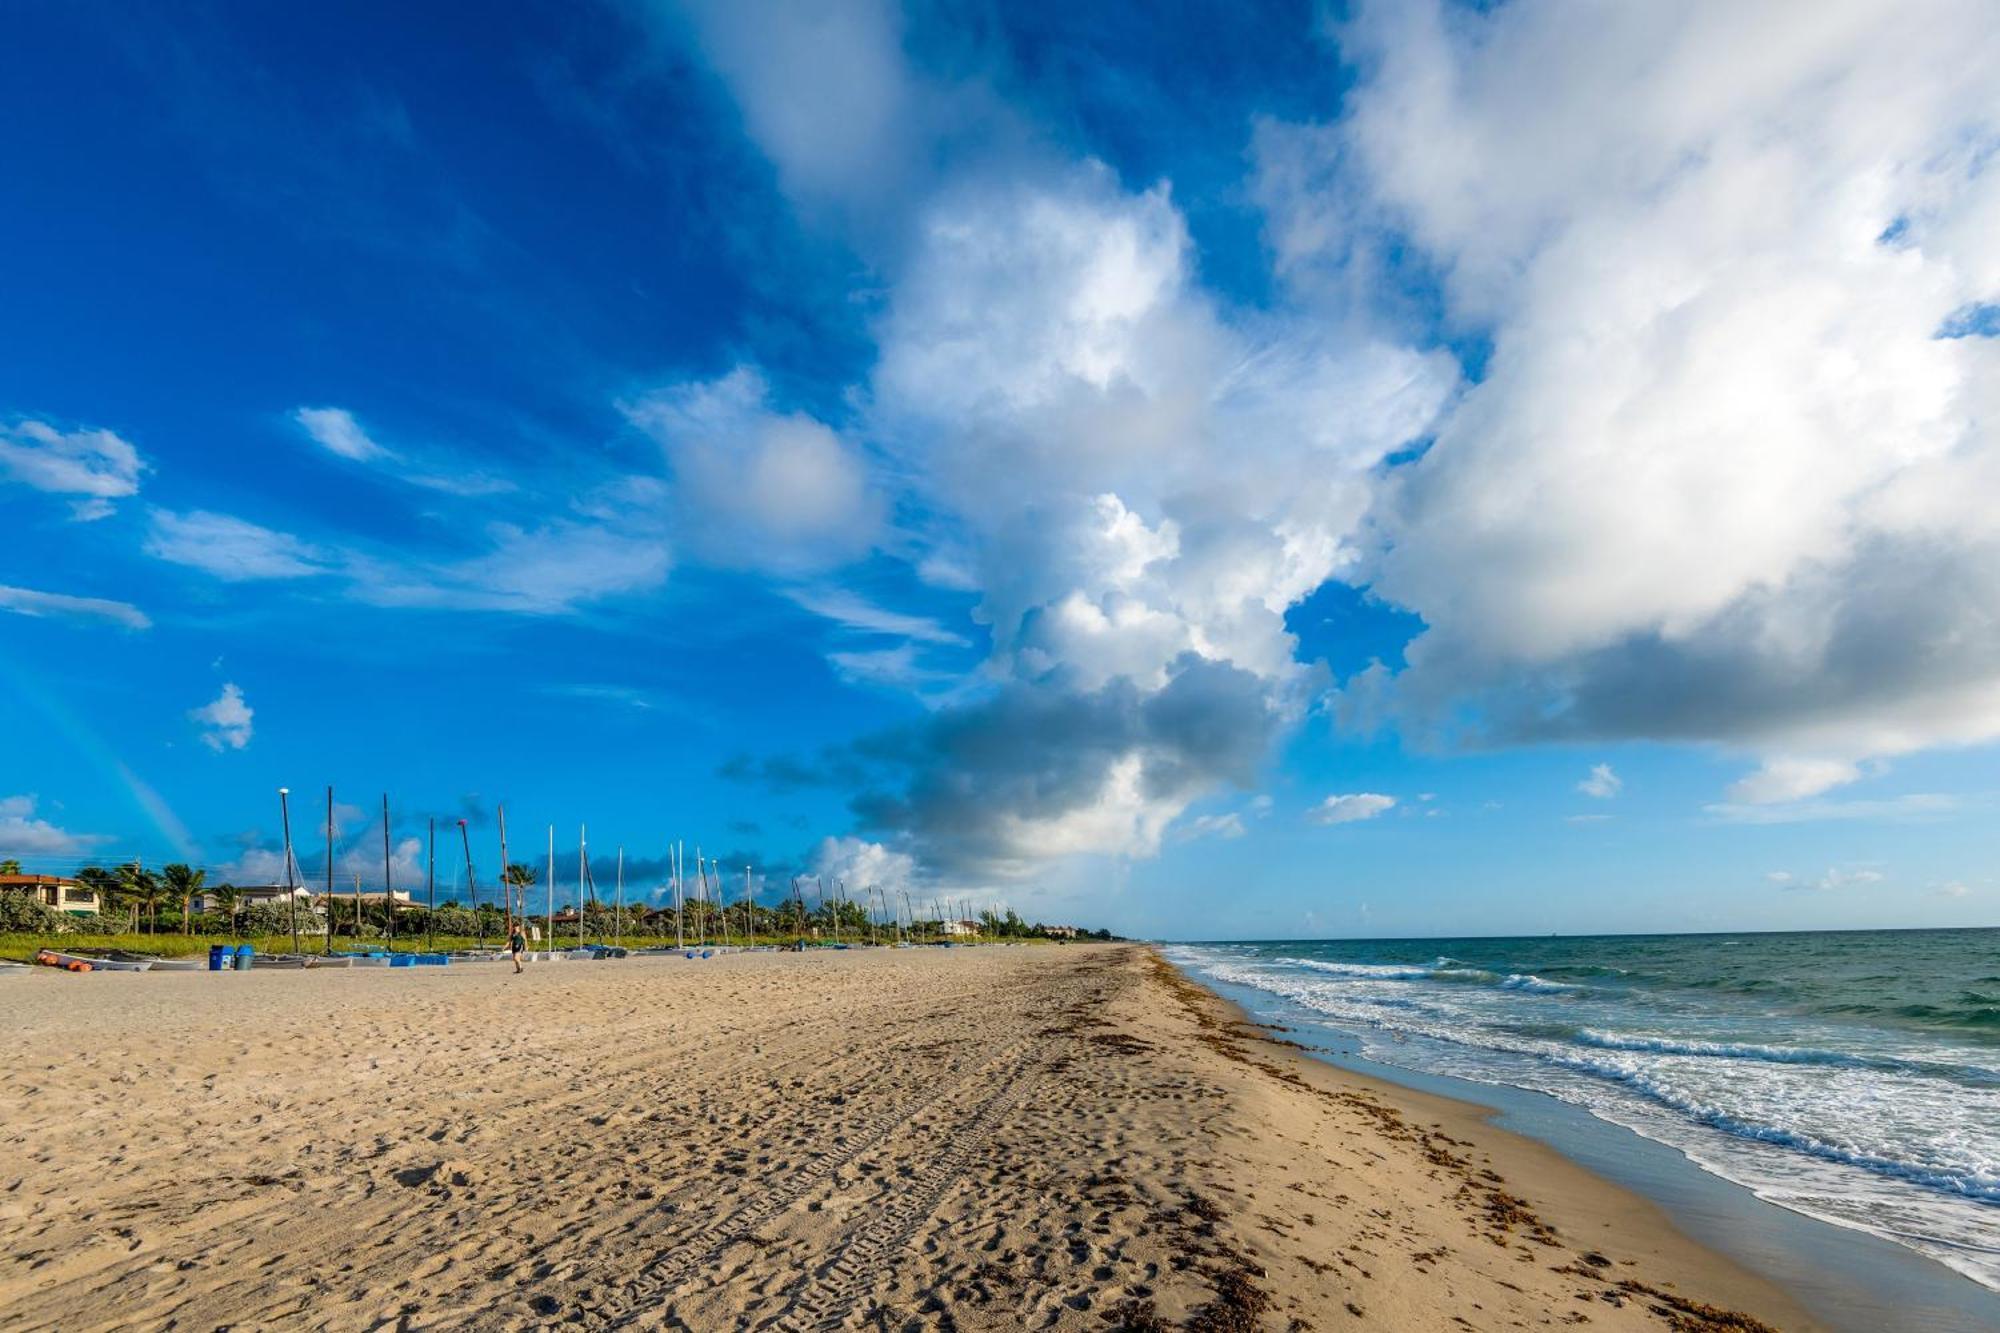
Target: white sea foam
point(1886, 1131)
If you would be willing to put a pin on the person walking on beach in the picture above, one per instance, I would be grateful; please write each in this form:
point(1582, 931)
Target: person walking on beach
point(516, 944)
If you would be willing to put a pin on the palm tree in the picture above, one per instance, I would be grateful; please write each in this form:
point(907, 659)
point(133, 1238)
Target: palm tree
point(10, 867)
point(143, 887)
point(226, 897)
point(105, 885)
point(183, 882)
point(521, 878)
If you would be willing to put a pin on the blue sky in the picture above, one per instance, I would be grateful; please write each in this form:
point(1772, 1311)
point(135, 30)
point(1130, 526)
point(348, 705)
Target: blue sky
point(1274, 471)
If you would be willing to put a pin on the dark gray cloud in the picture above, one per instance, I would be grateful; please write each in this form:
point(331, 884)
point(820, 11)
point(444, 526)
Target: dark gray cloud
point(989, 789)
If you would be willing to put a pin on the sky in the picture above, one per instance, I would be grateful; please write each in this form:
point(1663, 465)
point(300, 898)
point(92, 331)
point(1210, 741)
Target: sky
point(1229, 471)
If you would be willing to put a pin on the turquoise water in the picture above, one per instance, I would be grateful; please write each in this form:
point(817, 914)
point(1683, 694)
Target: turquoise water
point(1851, 1076)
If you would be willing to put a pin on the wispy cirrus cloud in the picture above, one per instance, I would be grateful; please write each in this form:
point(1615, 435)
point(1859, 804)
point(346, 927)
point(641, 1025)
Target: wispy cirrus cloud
point(63, 606)
point(1916, 807)
point(234, 550)
point(850, 611)
point(96, 465)
point(336, 430)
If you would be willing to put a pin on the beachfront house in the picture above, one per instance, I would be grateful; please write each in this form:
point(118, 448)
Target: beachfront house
point(57, 891)
point(1058, 932)
point(959, 929)
point(251, 895)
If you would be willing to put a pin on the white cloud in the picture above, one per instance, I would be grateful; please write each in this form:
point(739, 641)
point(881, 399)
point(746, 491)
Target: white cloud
point(23, 834)
point(360, 859)
point(547, 570)
point(232, 549)
point(1836, 877)
point(335, 430)
point(852, 612)
point(1953, 889)
point(57, 605)
point(896, 668)
point(1225, 826)
point(1917, 807)
point(1350, 808)
point(1718, 480)
point(94, 464)
point(862, 863)
point(1792, 779)
point(1602, 784)
point(226, 721)
point(760, 489)
point(1779, 877)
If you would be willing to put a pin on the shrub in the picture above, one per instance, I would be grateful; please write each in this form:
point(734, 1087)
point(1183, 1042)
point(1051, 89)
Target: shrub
point(276, 919)
point(23, 915)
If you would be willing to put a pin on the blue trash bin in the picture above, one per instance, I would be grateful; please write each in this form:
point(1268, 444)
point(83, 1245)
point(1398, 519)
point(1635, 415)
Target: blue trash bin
point(244, 953)
point(221, 957)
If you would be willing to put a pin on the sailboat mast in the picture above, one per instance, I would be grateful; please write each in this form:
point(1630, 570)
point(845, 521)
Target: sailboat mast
point(431, 886)
point(618, 904)
point(327, 943)
point(507, 885)
point(582, 865)
point(552, 889)
point(471, 884)
point(388, 877)
point(291, 894)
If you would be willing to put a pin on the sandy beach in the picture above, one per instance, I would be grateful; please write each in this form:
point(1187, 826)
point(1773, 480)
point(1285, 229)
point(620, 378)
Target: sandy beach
point(1069, 1138)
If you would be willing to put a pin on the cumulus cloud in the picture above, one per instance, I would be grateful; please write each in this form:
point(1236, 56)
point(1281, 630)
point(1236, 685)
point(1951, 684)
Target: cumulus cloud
point(762, 489)
point(994, 789)
point(96, 465)
point(1602, 784)
point(63, 606)
point(225, 721)
point(232, 549)
point(1716, 480)
point(1136, 480)
point(335, 430)
point(23, 833)
point(1791, 779)
point(1350, 808)
point(863, 864)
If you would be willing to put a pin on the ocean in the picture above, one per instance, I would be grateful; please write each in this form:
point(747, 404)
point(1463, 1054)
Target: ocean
point(1850, 1076)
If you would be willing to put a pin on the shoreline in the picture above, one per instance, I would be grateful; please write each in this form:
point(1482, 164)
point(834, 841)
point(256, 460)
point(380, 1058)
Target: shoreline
point(1839, 1278)
point(1071, 1139)
point(1576, 1201)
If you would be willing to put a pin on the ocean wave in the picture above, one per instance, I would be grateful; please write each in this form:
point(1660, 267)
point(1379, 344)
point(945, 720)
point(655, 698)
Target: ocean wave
point(1969, 1181)
point(1365, 971)
point(1456, 974)
point(1527, 981)
point(1730, 1050)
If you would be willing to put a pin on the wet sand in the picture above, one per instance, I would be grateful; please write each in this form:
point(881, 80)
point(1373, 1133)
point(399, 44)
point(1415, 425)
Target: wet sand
point(1070, 1138)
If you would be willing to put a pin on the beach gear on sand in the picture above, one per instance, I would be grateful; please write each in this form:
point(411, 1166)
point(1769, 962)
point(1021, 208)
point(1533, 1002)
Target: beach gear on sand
point(67, 962)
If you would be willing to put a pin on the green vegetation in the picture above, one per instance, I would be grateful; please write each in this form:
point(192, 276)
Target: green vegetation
point(148, 912)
